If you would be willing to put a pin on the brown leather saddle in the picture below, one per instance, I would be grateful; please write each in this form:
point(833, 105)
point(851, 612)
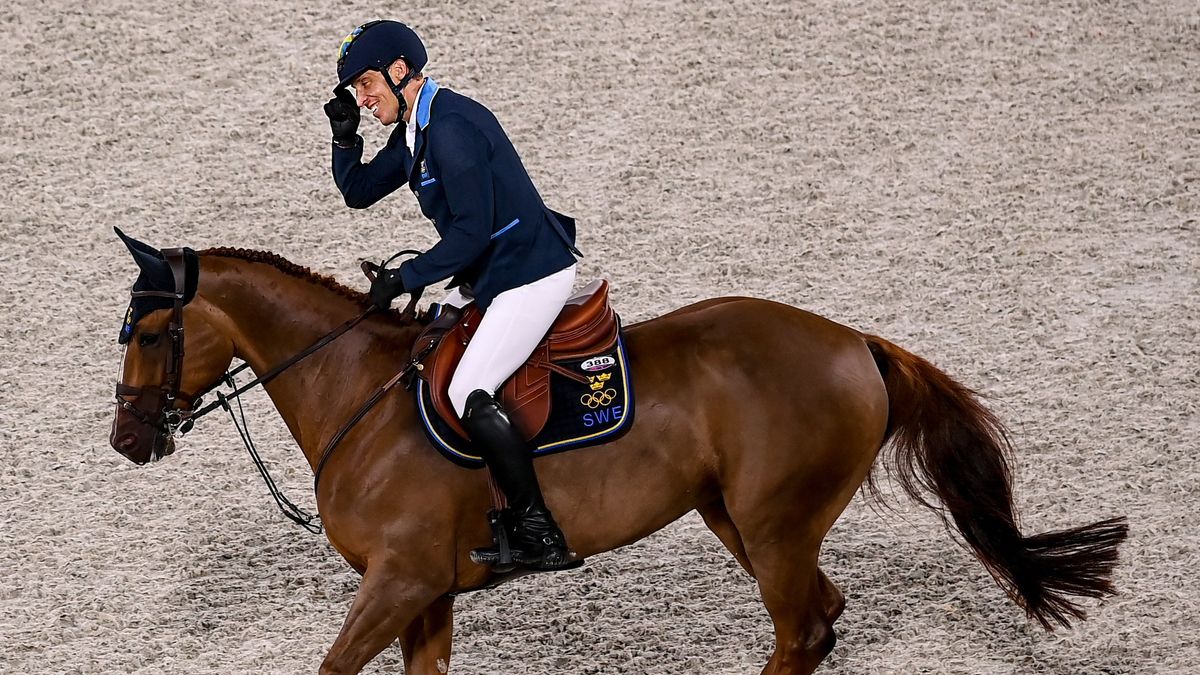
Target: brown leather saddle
point(587, 325)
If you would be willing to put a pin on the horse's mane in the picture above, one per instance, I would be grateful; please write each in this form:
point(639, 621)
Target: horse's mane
point(287, 267)
point(300, 272)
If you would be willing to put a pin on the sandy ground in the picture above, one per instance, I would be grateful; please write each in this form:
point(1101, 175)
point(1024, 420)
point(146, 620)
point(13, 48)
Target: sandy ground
point(1009, 189)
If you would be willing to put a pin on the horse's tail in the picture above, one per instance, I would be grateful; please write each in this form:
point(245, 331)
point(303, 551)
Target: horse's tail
point(945, 442)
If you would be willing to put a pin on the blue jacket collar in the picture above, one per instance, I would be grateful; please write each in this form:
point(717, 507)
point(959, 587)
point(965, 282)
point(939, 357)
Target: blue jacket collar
point(424, 99)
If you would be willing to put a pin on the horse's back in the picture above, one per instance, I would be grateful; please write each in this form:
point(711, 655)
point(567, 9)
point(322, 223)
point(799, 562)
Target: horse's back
point(774, 385)
point(757, 331)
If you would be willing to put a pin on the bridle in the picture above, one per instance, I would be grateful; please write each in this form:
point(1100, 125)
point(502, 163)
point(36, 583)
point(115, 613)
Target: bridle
point(172, 419)
point(162, 399)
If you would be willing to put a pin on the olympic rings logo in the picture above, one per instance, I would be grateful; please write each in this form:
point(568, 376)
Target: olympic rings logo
point(597, 399)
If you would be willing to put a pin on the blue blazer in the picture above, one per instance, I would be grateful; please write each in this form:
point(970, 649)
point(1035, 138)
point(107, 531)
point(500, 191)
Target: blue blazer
point(496, 233)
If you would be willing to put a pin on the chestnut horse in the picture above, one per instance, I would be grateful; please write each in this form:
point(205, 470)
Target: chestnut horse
point(764, 418)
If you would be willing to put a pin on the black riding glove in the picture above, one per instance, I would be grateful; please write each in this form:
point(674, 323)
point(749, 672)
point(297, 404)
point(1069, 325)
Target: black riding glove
point(386, 287)
point(342, 111)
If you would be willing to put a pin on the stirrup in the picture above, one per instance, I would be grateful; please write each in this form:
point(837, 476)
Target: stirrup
point(551, 560)
point(500, 556)
point(540, 544)
point(553, 554)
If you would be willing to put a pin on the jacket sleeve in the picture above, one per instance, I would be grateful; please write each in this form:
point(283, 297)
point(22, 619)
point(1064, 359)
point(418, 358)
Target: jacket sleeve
point(364, 184)
point(462, 154)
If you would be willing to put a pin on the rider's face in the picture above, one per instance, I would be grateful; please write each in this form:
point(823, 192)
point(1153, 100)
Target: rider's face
point(372, 93)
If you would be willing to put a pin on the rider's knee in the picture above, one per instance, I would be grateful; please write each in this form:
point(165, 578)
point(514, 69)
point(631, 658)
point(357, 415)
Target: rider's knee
point(461, 395)
point(459, 392)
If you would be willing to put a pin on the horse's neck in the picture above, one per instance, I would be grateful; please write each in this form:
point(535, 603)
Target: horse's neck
point(271, 316)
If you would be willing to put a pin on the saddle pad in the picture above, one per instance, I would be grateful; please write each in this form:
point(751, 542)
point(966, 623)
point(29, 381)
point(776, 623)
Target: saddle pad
point(581, 415)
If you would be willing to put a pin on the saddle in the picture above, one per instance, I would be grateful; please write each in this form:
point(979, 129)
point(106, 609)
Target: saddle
point(586, 326)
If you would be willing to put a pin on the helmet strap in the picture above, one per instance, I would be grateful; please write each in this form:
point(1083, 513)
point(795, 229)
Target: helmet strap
point(398, 89)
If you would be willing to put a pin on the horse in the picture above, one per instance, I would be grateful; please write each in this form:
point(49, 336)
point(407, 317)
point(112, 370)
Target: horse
point(764, 418)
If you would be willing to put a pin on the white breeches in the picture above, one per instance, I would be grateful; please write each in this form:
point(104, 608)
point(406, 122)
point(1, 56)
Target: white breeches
point(511, 329)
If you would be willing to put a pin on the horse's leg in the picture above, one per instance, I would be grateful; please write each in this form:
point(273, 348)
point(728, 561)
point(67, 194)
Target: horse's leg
point(831, 597)
point(426, 641)
point(717, 519)
point(790, 587)
point(385, 604)
point(782, 544)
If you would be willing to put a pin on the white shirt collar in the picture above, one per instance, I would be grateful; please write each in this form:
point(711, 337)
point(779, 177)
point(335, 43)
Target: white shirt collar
point(410, 134)
point(420, 108)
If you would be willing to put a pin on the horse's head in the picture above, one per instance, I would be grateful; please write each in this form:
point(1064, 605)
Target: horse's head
point(159, 389)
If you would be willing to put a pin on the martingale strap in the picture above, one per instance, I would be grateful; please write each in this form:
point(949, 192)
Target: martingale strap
point(362, 411)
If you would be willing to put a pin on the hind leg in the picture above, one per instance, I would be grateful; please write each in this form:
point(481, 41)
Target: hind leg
point(782, 548)
point(832, 598)
point(716, 517)
point(790, 587)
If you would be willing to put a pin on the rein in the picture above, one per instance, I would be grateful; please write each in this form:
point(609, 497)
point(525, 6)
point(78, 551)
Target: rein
point(270, 374)
point(289, 509)
point(172, 419)
point(294, 513)
point(370, 269)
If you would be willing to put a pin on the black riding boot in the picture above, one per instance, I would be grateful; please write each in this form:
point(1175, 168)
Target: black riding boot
point(535, 540)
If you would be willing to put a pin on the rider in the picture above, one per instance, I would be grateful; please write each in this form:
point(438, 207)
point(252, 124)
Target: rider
point(503, 248)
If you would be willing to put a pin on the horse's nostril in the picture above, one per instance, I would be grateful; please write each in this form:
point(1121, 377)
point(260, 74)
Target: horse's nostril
point(127, 442)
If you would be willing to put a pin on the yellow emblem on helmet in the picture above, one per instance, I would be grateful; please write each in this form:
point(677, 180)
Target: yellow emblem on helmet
point(349, 40)
point(345, 46)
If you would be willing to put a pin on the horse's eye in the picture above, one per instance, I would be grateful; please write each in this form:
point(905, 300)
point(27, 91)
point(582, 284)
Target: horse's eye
point(147, 339)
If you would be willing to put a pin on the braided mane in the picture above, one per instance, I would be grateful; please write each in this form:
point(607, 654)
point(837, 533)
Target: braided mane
point(287, 267)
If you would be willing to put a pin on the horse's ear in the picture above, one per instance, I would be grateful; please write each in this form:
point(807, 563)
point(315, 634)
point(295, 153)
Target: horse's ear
point(149, 259)
point(154, 275)
point(134, 244)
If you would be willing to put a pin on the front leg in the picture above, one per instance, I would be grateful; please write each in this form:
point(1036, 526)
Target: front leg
point(388, 600)
point(426, 641)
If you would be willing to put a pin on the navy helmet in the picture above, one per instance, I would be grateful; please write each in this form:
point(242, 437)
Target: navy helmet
point(374, 46)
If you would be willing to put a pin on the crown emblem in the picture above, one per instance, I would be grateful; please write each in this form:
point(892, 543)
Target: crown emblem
point(597, 381)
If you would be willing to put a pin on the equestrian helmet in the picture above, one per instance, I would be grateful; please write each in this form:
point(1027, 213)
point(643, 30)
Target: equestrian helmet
point(374, 46)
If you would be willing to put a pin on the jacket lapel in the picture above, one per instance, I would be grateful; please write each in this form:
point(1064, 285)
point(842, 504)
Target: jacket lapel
point(424, 108)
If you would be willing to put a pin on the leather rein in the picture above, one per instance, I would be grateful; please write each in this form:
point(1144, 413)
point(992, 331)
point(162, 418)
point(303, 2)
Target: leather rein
point(173, 419)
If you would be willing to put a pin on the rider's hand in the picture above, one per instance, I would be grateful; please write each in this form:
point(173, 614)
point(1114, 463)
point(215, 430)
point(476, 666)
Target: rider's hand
point(342, 111)
point(386, 287)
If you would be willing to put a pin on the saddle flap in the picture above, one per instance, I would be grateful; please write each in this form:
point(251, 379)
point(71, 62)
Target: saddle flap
point(438, 368)
point(586, 324)
point(526, 396)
